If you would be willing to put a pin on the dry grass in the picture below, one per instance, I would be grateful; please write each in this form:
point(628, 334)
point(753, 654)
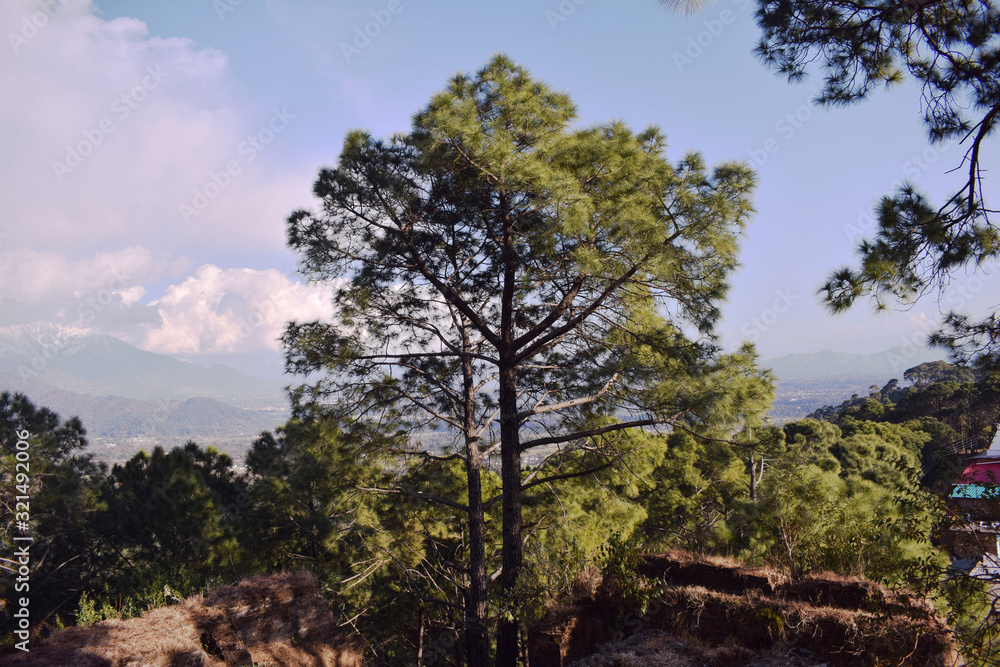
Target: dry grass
point(254, 621)
point(724, 574)
point(649, 648)
point(728, 613)
point(841, 636)
point(307, 654)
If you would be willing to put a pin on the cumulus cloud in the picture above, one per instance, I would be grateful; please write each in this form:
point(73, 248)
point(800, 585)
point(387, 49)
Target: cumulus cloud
point(37, 276)
point(102, 291)
point(236, 310)
point(107, 131)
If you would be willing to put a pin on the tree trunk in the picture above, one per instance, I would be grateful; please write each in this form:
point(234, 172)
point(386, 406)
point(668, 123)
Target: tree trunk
point(476, 637)
point(420, 641)
point(510, 474)
point(477, 641)
point(510, 454)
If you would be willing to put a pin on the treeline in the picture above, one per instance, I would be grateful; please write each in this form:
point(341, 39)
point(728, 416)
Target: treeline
point(967, 403)
point(842, 495)
point(125, 418)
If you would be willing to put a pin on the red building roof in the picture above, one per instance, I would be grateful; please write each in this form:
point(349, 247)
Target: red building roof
point(985, 472)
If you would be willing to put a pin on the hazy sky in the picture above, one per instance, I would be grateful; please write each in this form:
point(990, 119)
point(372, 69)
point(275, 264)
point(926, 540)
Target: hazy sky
point(152, 151)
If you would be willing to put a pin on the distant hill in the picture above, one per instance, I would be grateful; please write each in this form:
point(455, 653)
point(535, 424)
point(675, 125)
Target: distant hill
point(100, 365)
point(118, 418)
point(142, 423)
point(807, 382)
point(874, 368)
point(128, 398)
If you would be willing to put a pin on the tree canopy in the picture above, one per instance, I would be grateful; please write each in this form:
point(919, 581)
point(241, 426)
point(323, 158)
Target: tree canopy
point(52, 485)
point(513, 286)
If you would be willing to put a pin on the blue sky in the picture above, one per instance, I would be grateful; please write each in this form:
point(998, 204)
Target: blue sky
point(204, 123)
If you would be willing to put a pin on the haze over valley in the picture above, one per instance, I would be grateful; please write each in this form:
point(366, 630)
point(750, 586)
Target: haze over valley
point(130, 399)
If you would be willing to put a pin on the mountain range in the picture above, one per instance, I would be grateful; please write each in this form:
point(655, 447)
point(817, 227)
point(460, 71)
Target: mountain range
point(807, 382)
point(127, 395)
point(101, 365)
point(877, 368)
point(129, 398)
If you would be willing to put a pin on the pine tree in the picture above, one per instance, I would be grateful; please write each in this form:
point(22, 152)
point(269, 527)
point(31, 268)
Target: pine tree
point(513, 287)
point(48, 489)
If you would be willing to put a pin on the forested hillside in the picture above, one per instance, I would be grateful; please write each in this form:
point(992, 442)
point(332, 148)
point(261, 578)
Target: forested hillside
point(847, 493)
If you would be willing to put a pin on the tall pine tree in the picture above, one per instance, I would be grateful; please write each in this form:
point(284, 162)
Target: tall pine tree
point(515, 287)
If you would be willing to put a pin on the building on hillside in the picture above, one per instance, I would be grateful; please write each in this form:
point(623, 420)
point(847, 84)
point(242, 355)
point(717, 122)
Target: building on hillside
point(981, 478)
point(977, 498)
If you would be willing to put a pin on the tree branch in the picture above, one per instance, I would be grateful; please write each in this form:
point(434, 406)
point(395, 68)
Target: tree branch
point(553, 440)
point(575, 321)
point(572, 403)
point(419, 494)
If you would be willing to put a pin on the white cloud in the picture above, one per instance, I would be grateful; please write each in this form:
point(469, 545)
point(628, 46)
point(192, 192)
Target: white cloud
point(33, 276)
point(920, 322)
point(106, 131)
point(236, 310)
point(101, 292)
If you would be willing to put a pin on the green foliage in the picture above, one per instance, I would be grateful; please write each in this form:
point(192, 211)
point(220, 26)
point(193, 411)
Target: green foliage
point(795, 514)
point(950, 49)
point(175, 524)
point(697, 487)
point(938, 371)
point(968, 602)
point(177, 508)
point(516, 283)
point(107, 606)
point(108, 542)
point(810, 519)
point(619, 561)
point(138, 591)
point(306, 506)
point(570, 524)
point(308, 510)
point(829, 498)
point(61, 482)
point(87, 612)
point(944, 403)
